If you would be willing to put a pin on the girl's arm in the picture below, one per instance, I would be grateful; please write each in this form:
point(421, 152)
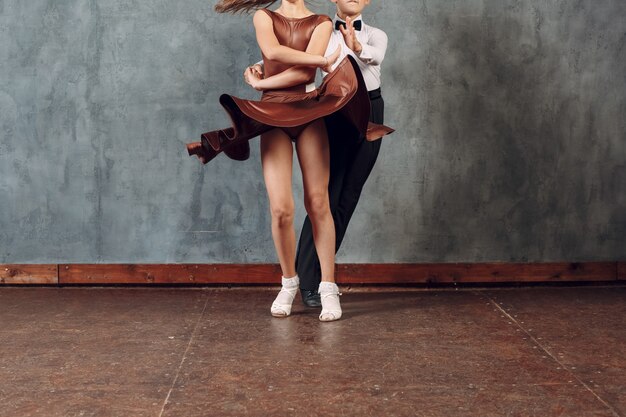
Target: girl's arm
point(295, 75)
point(298, 74)
point(291, 76)
point(258, 68)
point(273, 50)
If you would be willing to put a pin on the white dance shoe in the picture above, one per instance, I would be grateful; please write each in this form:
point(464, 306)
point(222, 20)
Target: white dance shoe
point(329, 296)
point(281, 307)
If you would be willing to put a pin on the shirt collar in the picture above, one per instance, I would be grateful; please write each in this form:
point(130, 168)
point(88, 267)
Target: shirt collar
point(337, 18)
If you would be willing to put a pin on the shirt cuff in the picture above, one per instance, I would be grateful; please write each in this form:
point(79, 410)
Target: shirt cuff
point(366, 53)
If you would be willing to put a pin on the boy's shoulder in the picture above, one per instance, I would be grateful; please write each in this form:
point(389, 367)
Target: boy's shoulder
point(375, 30)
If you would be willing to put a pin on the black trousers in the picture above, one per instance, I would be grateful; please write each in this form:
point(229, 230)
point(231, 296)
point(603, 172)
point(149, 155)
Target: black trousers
point(349, 168)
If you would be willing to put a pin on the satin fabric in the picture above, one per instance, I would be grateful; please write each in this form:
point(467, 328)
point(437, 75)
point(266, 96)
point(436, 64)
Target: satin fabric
point(292, 109)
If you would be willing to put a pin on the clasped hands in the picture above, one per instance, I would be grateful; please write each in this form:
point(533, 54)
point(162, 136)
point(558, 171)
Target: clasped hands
point(349, 36)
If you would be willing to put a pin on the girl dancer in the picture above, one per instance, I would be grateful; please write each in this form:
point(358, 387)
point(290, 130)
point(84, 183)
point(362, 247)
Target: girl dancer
point(293, 40)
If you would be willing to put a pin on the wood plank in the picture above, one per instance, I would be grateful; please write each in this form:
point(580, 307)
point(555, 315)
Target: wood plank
point(28, 274)
point(475, 272)
point(169, 273)
point(393, 273)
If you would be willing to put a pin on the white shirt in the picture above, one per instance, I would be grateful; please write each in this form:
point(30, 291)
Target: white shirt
point(374, 44)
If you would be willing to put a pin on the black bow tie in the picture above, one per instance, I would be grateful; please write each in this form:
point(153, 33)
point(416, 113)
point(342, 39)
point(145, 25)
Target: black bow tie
point(356, 24)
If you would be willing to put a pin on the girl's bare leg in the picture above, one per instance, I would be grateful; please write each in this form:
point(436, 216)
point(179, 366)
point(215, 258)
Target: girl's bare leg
point(314, 158)
point(277, 162)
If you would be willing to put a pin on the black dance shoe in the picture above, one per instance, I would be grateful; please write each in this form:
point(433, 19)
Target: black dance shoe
point(310, 298)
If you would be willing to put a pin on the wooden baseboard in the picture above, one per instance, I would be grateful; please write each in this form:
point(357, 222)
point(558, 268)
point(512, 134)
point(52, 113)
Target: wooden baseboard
point(29, 274)
point(392, 273)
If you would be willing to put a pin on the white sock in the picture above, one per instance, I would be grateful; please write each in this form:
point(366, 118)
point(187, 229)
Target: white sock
point(329, 296)
point(284, 299)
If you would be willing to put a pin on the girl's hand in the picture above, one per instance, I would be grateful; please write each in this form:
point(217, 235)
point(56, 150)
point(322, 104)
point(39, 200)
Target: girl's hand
point(349, 36)
point(331, 59)
point(258, 69)
point(252, 78)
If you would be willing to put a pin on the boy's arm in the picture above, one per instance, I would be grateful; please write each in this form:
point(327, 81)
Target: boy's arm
point(373, 52)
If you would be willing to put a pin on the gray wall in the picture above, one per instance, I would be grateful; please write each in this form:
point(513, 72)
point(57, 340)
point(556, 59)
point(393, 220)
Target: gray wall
point(510, 141)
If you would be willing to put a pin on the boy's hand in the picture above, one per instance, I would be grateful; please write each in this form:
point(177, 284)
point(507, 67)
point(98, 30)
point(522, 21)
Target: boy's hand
point(349, 36)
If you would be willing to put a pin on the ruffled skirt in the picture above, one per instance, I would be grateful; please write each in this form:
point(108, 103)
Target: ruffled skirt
point(342, 95)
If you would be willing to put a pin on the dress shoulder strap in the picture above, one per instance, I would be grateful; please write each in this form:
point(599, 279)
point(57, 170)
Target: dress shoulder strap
point(271, 14)
point(268, 11)
point(321, 18)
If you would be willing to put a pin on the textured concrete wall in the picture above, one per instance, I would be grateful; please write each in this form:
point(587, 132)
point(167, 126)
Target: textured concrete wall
point(510, 142)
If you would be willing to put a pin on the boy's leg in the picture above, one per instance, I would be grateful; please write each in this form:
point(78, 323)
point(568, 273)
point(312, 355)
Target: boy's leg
point(358, 170)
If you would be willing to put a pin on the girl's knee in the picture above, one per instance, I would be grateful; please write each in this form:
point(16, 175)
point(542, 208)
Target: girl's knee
point(317, 204)
point(283, 214)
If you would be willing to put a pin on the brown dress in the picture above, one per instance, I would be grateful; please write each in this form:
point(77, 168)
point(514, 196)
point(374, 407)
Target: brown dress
point(342, 94)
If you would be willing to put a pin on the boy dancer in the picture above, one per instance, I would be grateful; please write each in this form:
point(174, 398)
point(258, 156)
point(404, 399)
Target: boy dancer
point(348, 170)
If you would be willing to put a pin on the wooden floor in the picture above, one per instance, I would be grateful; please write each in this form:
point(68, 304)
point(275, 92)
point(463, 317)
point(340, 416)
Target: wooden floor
point(107, 351)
